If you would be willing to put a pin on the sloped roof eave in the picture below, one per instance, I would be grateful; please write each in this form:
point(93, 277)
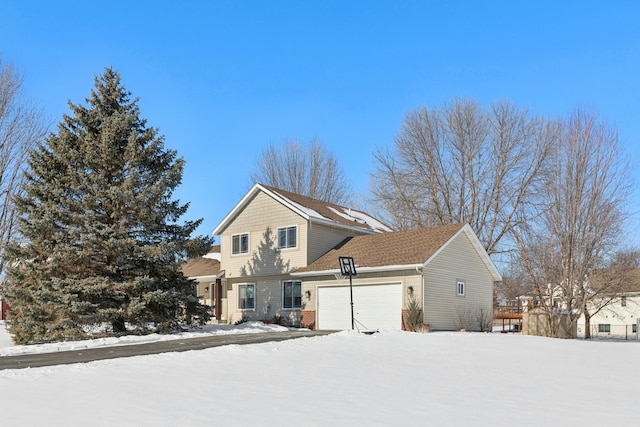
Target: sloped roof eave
point(306, 213)
point(206, 277)
point(468, 231)
point(243, 202)
point(334, 224)
point(360, 270)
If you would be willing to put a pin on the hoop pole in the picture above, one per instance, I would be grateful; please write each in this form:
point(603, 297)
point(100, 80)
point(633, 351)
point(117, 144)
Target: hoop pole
point(351, 292)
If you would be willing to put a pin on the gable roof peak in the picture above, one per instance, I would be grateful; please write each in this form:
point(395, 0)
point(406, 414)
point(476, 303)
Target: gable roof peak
point(313, 210)
point(399, 249)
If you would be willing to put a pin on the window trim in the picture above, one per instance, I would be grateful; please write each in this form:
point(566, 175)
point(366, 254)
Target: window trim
point(241, 285)
point(604, 328)
point(293, 306)
point(460, 287)
point(286, 229)
point(233, 236)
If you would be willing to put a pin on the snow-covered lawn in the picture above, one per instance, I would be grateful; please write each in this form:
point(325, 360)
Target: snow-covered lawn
point(345, 379)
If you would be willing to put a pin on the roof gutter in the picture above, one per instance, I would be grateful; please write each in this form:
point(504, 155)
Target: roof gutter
point(208, 276)
point(330, 223)
point(204, 278)
point(359, 269)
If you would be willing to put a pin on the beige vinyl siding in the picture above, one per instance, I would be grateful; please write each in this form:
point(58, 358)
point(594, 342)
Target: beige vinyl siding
point(204, 288)
point(444, 309)
point(323, 238)
point(268, 301)
point(258, 214)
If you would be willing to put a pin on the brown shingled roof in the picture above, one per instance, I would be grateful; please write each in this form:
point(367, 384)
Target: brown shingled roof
point(387, 249)
point(324, 209)
point(313, 210)
point(201, 266)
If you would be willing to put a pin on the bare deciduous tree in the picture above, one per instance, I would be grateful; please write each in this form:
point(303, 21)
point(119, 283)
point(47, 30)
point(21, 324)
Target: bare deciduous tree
point(307, 169)
point(514, 284)
point(584, 199)
point(21, 124)
point(461, 163)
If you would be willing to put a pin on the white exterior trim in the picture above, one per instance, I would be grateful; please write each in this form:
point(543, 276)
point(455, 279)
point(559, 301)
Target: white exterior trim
point(204, 278)
point(366, 315)
point(285, 202)
point(359, 269)
point(466, 229)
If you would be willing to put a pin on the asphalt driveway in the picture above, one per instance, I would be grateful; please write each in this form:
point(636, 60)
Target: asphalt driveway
point(102, 353)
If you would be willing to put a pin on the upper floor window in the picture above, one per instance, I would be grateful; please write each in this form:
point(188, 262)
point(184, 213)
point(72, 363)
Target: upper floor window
point(287, 237)
point(460, 288)
point(240, 243)
point(292, 294)
point(623, 301)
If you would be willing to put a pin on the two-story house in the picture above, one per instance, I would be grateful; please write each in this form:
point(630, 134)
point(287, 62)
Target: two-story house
point(616, 314)
point(279, 259)
point(271, 233)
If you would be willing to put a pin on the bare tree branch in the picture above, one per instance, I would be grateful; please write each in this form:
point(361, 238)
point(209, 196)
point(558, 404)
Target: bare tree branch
point(307, 169)
point(461, 163)
point(584, 198)
point(21, 125)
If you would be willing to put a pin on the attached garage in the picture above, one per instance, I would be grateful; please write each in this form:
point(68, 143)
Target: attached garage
point(425, 265)
point(375, 306)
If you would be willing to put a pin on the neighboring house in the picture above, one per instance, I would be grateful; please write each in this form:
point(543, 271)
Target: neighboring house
point(279, 261)
point(618, 318)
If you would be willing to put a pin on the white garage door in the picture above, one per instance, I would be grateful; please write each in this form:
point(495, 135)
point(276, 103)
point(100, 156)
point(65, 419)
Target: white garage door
point(374, 306)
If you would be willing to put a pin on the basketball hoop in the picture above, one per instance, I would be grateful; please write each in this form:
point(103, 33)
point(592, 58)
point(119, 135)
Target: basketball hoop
point(348, 268)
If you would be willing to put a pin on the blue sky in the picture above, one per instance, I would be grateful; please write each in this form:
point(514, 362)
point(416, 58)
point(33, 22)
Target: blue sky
point(223, 79)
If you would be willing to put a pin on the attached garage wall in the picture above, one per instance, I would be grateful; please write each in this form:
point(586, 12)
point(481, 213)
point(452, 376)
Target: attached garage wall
point(375, 306)
point(444, 309)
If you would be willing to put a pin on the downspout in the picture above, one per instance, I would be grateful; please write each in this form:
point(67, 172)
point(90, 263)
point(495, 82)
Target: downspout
point(420, 270)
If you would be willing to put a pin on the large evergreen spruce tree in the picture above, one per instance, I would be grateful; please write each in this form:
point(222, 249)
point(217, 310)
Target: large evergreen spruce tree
point(101, 239)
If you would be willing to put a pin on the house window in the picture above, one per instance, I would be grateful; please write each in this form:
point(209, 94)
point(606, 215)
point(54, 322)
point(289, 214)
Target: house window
point(287, 237)
point(623, 301)
point(604, 327)
point(634, 328)
point(247, 296)
point(240, 243)
point(292, 294)
point(460, 288)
